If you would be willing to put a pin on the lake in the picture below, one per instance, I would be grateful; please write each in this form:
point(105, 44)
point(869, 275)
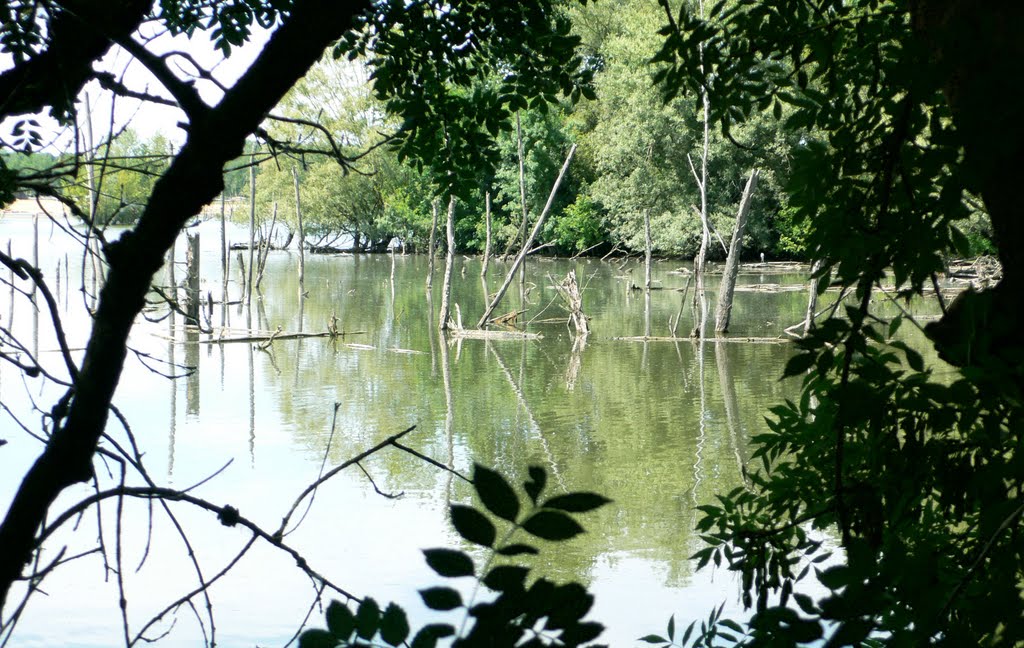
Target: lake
point(658, 426)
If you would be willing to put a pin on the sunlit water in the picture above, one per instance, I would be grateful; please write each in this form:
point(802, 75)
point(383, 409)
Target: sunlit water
point(659, 426)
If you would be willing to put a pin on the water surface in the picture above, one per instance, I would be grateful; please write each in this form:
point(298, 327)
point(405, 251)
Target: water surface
point(659, 426)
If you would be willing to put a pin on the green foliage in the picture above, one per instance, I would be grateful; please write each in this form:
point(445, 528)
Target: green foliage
point(580, 226)
point(915, 469)
point(124, 171)
point(641, 146)
point(487, 60)
point(522, 613)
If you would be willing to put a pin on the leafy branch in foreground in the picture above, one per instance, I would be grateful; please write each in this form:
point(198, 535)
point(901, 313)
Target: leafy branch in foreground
point(916, 467)
point(521, 614)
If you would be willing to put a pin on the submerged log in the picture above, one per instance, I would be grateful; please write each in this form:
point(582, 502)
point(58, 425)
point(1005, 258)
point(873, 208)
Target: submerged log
point(748, 340)
point(488, 334)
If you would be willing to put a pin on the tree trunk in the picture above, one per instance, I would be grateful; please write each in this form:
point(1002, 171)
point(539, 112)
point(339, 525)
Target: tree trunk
point(647, 249)
point(302, 234)
point(699, 297)
point(432, 246)
point(225, 258)
point(487, 243)
point(449, 262)
point(981, 87)
point(252, 227)
point(526, 245)
point(812, 298)
point(570, 289)
point(732, 263)
point(522, 201)
point(192, 279)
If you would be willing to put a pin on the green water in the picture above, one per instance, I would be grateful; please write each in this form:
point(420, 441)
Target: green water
point(658, 426)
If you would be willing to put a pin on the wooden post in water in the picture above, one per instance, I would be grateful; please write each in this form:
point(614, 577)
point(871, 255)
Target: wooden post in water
point(264, 249)
point(432, 246)
point(449, 262)
point(647, 249)
point(35, 251)
point(302, 234)
point(487, 243)
point(522, 200)
point(699, 297)
point(723, 310)
point(252, 227)
point(526, 244)
point(192, 279)
point(10, 282)
point(225, 259)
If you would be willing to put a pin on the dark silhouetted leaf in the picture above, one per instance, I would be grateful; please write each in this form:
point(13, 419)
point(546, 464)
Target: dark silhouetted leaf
point(654, 639)
point(317, 638)
point(798, 364)
point(538, 479)
point(367, 618)
point(518, 550)
point(577, 502)
point(449, 562)
point(441, 598)
point(506, 577)
point(496, 493)
point(394, 626)
point(473, 525)
point(340, 620)
point(428, 635)
point(552, 525)
point(581, 633)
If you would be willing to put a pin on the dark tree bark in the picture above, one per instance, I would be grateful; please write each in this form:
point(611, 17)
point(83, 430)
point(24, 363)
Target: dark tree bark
point(977, 49)
point(80, 35)
point(216, 135)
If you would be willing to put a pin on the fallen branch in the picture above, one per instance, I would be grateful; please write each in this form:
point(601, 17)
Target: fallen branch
point(655, 338)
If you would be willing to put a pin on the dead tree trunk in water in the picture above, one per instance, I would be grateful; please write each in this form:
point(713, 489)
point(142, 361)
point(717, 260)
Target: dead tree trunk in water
point(449, 262)
point(224, 256)
point(431, 248)
point(192, 279)
point(252, 227)
point(699, 298)
point(647, 249)
point(487, 243)
point(264, 250)
point(302, 234)
point(570, 289)
point(526, 244)
point(812, 298)
point(732, 263)
point(522, 200)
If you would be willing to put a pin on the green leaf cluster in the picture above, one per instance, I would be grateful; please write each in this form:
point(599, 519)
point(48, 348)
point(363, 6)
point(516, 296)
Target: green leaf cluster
point(522, 613)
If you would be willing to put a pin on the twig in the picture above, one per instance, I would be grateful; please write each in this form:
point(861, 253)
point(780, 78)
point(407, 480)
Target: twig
point(374, 484)
point(323, 464)
point(334, 471)
point(981, 556)
point(431, 461)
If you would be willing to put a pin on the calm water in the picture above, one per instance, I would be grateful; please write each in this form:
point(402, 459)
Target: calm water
point(658, 426)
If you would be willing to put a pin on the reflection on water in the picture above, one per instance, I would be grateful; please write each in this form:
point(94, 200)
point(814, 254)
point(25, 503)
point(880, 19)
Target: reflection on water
point(658, 426)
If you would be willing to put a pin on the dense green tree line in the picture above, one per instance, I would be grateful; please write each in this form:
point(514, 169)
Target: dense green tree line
point(635, 156)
